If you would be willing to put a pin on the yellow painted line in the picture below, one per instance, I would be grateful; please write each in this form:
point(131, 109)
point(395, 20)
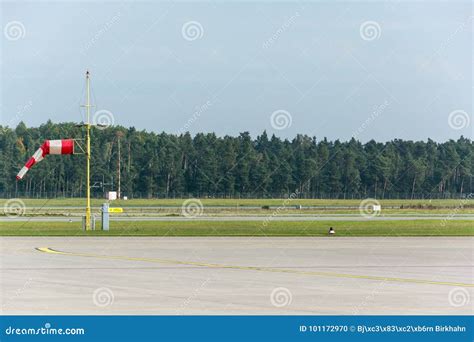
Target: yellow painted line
point(257, 268)
point(49, 250)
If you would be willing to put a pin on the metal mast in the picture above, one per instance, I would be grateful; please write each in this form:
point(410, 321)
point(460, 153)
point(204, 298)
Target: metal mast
point(88, 154)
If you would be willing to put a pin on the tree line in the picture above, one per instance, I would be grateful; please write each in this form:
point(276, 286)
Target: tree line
point(205, 165)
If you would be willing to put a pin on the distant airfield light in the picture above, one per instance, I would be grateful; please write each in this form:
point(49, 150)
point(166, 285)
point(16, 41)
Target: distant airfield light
point(111, 195)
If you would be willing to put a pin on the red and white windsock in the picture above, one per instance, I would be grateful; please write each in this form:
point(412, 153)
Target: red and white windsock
point(64, 146)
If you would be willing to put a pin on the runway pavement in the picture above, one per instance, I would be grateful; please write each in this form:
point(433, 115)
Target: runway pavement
point(162, 275)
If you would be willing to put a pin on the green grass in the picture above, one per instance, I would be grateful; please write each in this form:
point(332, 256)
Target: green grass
point(216, 207)
point(246, 228)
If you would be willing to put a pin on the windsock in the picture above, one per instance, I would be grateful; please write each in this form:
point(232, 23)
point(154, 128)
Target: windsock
point(64, 146)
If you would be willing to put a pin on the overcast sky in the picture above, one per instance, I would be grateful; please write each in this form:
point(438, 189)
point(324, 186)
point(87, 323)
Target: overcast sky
point(400, 69)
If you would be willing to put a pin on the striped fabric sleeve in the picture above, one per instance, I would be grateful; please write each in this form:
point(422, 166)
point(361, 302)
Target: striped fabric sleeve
point(64, 146)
